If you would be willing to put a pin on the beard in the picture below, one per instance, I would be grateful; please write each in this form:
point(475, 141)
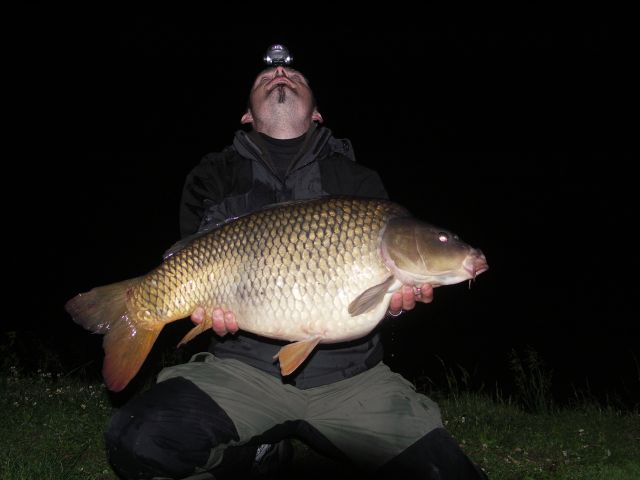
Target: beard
point(281, 106)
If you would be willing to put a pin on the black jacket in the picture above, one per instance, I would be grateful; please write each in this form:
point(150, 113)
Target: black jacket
point(241, 179)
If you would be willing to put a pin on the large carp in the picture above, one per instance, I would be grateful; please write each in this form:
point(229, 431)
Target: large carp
point(316, 271)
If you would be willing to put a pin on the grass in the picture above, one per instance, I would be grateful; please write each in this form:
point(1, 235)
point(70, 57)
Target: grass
point(51, 428)
point(532, 380)
point(583, 442)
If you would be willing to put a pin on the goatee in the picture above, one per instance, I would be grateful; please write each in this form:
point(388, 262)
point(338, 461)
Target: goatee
point(281, 94)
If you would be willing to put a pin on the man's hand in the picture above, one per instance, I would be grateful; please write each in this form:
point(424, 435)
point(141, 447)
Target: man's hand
point(222, 322)
point(406, 298)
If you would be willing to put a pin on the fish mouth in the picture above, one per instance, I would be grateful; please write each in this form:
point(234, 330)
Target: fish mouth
point(475, 265)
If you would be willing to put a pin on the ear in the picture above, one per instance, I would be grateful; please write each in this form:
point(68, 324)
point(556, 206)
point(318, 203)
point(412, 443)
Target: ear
point(316, 117)
point(247, 118)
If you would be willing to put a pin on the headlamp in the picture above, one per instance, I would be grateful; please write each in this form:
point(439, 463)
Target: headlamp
point(277, 55)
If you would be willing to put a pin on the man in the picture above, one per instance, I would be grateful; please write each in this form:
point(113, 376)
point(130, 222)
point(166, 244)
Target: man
point(211, 414)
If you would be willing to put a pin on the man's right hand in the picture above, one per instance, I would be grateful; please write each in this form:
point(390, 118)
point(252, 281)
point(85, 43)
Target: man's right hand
point(222, 322)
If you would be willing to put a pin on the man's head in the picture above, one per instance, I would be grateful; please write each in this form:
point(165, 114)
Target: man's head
point(281, 103)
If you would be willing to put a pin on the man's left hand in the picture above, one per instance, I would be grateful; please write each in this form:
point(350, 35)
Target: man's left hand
point(405, 299)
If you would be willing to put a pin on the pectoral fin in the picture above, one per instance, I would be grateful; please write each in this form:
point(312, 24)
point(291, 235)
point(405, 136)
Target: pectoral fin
point(292, 355)
point(370, 298)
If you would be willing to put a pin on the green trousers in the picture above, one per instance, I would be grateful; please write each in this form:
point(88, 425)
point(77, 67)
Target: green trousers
point(371, 417)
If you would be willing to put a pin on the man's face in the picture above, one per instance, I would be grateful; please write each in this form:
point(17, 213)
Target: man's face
point(280, 93)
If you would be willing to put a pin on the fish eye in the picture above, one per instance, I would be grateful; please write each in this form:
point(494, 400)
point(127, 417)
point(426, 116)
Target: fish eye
point(443, 237)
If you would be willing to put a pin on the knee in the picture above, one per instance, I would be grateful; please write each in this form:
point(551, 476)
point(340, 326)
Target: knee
point(128, 443)
point(168, 431)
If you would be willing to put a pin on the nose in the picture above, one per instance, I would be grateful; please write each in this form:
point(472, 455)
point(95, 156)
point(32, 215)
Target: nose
point(280, 72)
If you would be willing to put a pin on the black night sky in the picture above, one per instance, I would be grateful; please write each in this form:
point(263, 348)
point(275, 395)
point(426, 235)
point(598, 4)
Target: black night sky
point(510, 134)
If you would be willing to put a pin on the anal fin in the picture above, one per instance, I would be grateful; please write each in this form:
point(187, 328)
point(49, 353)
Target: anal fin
point(292, 355)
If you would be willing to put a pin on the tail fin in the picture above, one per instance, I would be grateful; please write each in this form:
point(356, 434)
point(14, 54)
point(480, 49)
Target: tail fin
point(126, 343)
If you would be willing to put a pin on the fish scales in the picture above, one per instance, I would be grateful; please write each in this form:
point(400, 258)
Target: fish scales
point(281, 270)
point(316, 271)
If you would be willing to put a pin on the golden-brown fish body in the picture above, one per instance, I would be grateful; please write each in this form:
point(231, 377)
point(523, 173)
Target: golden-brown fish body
point(318, 271)
point(287, 272)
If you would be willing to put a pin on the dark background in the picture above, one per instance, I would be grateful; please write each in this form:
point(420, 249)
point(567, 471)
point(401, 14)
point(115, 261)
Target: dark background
point(516, 135)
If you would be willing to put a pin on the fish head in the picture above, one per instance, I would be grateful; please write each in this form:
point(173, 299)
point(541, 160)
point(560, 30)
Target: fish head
point(418, 252)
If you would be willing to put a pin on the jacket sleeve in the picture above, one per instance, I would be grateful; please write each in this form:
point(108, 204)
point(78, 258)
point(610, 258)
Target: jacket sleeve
point(203, 184)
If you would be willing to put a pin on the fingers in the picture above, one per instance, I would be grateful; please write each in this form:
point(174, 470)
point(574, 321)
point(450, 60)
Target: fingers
point(402, 300)
point(198, 315)
point(405, 299)
point(424, 293)
point(408, 298)
point(221, 322)
point(395, 305)
point(230, 322)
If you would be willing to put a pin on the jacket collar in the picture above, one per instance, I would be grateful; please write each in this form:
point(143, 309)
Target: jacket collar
point(250, 145)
